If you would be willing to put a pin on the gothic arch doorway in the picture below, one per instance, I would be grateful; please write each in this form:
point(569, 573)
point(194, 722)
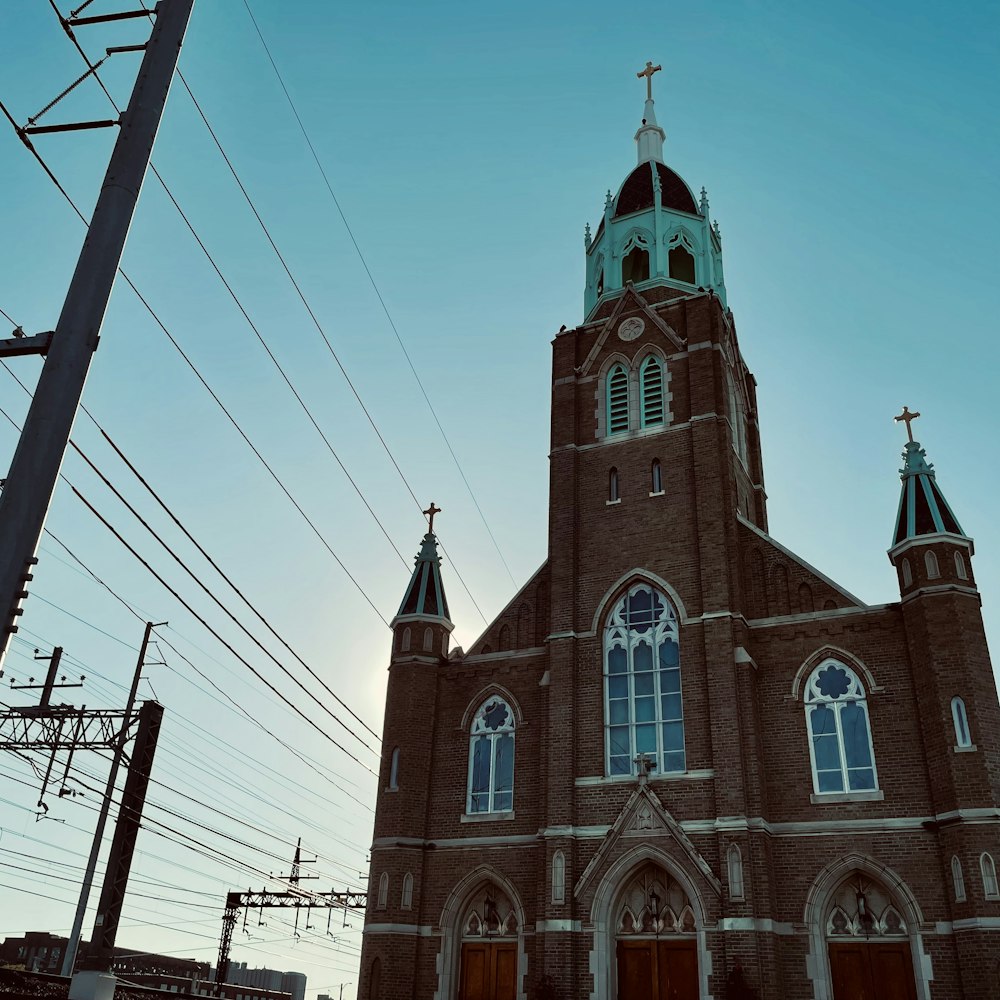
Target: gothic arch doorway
point(489, 947)
point(868, 942)
point(656, 951)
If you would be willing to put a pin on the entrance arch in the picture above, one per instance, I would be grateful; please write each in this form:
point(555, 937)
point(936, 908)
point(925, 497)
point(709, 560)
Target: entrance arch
point(656, 948)
point(865, 930)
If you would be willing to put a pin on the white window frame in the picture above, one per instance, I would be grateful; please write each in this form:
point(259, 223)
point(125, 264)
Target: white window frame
point(859, 698)
point(383, 891)
point(988, 869)
point(960, 568)
point(614, 631)
point(406, 896)
point(907, 573)
point(960, 718)
point(957, 879)
point(478, 730)
point(734, 865)
point(931, 565)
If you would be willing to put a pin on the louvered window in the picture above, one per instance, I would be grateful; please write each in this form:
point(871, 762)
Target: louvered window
point(651, 383)
point(617, 400)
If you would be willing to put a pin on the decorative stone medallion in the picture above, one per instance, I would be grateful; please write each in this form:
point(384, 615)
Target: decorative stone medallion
point(631, 328)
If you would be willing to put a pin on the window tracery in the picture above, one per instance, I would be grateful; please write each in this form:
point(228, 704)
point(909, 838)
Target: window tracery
point(863, 908)
point(654, 903)
point(490, 914)
point(643, 707)
point(491, 758)
point(840, 742)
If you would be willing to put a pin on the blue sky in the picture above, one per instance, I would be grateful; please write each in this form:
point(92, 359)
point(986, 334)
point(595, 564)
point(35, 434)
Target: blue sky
point(850, 155)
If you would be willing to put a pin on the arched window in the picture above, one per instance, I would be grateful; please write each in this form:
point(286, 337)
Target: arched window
point(989, 870)
point(383, 890)
point(651, 392)
point(404, 644)
point(840, 742)
point(428, 639)
point(958, 879)
point(960, 571)
point(907, 573)
point(406, 898)
point(642, 683)
point(931, 562)
point(655, 477)
point(737, 417)
point(600, 282)
point(559, 877)
point(963, 738)
point(394, 768)
point(635, 266)
point(617, 391)
point(734, 859)
point(681, 264)
point(613, 494)
point(491, 758)
point(375, 980)
point(504, 641)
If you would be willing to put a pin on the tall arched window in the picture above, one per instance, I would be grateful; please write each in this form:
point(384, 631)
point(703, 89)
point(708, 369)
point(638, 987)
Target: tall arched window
point(404, 644)
point(642, 683)
point(907, 573)
point(963, 738)
point(428, 639)
point(840, 742)
point(559, 877)
point(375, 980)
point(613, 494)
point(406, 898)
point(989, 870)
point(655, 477)
point(931, 562)
point(635, 266)
point(617, 391)
point(958, 879)
point(651, 392)
point(960, 571)
point(734, 860)
point(491, 758)
point(737, 416)
point(383, 890)
point(394, 768)
point(681, 264)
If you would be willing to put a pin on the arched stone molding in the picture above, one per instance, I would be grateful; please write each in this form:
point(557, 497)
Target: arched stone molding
point(603, 965)
point(821, 893)
point(487, 692)
point(638, 236)
point(834, 653)
point(451, 931)
point(625, 581)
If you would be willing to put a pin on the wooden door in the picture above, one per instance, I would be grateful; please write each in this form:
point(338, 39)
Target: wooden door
point(489, 970)
point(657, 970)
point(872, 971)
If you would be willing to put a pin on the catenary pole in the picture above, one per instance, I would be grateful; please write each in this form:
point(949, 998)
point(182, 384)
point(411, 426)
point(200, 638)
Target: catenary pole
point(33, 472)
point(73, 945)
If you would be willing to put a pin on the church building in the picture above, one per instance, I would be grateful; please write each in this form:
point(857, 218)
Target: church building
point(683, 763)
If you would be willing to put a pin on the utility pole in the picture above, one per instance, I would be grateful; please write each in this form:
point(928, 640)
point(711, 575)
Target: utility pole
point(35, 468)
point(72, 946)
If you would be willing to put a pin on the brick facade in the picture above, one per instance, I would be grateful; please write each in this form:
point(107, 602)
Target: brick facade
point(754, 621)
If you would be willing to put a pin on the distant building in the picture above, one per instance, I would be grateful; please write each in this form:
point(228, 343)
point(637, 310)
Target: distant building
point(268, 981)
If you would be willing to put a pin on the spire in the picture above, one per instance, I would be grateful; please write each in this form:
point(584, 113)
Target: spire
point(424, 597)
point(923, 509)
point(649, 138)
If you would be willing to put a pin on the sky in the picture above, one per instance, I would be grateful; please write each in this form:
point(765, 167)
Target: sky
point(850, 155)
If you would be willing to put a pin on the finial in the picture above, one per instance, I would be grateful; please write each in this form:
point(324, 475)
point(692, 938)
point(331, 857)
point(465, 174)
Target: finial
point(907, 417)
point(703, 204)
point(586, 236)
point(716, 230)
point(430, 512)
point(648, 74)
point(607, 199)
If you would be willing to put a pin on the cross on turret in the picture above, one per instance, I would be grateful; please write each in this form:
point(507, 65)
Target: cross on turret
point(648, 74)
point(907, 417)
point(430, 512)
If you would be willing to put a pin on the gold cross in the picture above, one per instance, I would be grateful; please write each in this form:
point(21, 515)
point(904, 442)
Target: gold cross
point(648, 74)
point(907, 417)
point(430, 512)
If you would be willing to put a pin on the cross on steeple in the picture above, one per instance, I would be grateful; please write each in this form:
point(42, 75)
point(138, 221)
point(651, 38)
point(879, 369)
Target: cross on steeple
point(648, 74)
point(430, 512)
point(907, 417)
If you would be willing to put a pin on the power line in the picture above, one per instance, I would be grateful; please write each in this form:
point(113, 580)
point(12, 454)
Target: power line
point(371, 278)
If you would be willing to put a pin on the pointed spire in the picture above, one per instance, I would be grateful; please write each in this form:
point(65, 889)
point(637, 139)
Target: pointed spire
point(649, 138)
point(424, 597)
point(923, 509)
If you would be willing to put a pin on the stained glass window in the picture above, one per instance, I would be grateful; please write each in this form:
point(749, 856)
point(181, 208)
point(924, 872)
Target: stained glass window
point(840, 743)
point(491, 758)
point(642, 678)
